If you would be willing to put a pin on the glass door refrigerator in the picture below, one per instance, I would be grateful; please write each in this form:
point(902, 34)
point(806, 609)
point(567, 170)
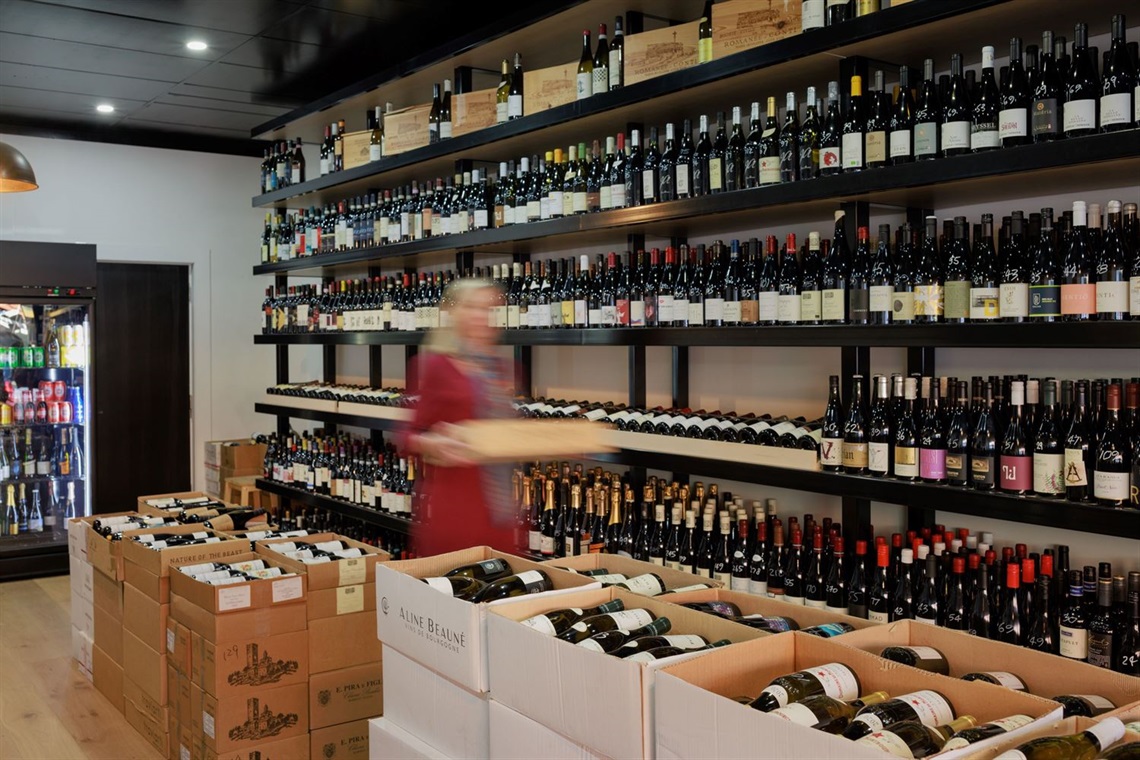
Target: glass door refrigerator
point(47, 299)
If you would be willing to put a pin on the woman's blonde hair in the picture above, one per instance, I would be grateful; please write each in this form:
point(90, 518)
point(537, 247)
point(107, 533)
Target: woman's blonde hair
point(445, 340)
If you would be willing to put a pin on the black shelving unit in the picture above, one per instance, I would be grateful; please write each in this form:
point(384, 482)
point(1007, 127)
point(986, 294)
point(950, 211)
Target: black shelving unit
point(920, 184)
point(370, 516)
point(335, 418)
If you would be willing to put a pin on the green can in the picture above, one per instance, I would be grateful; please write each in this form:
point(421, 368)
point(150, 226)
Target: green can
point(38, 356)
point(5, 358)
point(28, 356)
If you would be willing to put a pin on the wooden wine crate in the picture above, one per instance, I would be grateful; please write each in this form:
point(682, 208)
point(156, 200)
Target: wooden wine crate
point(406, 129)
point(357, 146)
point(743, 24)
point(374, 411)
point(546, 88)
point(300, 402)
point(661, 51)
point(515, 440)
point(472, 111)
point(771, 456)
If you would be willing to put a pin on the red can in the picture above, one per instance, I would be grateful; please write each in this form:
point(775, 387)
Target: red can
point(46, 390)
point(60, 390)
point(65, 412)
point(53, 412)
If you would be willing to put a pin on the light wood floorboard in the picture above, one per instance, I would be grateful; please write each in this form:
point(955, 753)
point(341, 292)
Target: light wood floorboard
point(48, 711)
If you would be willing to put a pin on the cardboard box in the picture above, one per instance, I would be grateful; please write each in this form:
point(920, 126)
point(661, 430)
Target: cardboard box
point(146, 507)
point(237, 626)
point(550, 87)
point(602, 702)
point(246, 454)
point(178, 645)
point(146, 667)
point(181, 742)
point(82, 614)
point(357, 146)
point(1006, 742)
point(630, 568)
point(105, 555)
point(342, 600)
point(661, 51)
point(80, 577)
point(343, 642)
point(472, 111)
point(346, 741)
point(237, 597)
point(771, 456)
point(697, 715)
point(247, 667)
point(107, 675)
point(512, 440)
point(179, 689)
point(144, 617)
point(452, 720)
point(444, 632)
point(750, 604)
point(155, 711)
point(82, 645)
point(157, 561)
point(744, 24)
point(155, 734)
point(516, 737)
point(77, 538)
point(108, 634)
point(1046, 675)
point(239, 722)
point(285, 749)
point(107, 594)
point(385, 739)
point(216, 478)
point(350, 694)
point(406, 129)
point(351, 571)
point(1129, 713)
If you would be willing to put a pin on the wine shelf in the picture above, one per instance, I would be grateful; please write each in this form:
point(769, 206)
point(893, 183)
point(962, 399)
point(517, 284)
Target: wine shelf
point(1057, 513)
point(1063, 166)
point(370, 516)
point(903, 34)
point(998, 335)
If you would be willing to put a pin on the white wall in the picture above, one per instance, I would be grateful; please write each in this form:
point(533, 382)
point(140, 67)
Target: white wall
point(150, 205)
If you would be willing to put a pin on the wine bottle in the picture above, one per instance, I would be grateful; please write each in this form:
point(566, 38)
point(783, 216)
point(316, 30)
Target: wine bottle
point(830, 138)
point(921, 657)
point(808, 141)
point(486, 571)
point(768, 156)
point(985, 129)
point(1118, 83)
point(1083, 705)
point(825, 713)
point(528, 582)
point(685, 645)
point(646, 644)
point(833, 679)
point(1112, 270)
point(854, 122)
point(912, 739)
point(587, 626)
point(1078, 288)
point(1081, 88)
point(1014, 287)
point(1009, 625)
point(461, 587)
point(600, 74)
point(1088, 743)
point(611, 640)
point(789, 141)
point(1016, 457)
point(1113, 458)
point(811, 282)
point(928, 707)
point(1073, 625)
point(968, 736)
point(878, 126)
point(585, 79)
point(1047, 95)
point(515, 96)
point(616, 64)
point(956, 121)
point(831, 445)
point(1102, 627)
point(879, 600)
point(902, 599)
point(927, 116)
point(1013, 119)
point(557, 622)
point(854, 444)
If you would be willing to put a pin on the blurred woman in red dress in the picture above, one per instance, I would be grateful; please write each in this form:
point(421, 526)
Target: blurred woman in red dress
point(460, 375)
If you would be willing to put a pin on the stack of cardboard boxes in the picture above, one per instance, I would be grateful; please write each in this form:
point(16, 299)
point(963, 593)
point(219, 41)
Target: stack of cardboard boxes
point(231, 459)
point(82, 598)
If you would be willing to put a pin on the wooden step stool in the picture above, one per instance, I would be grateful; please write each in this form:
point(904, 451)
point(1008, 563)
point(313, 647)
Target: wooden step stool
point(244, 492)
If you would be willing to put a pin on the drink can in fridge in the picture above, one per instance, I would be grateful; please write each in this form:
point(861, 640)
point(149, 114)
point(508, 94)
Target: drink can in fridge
point(60, 390)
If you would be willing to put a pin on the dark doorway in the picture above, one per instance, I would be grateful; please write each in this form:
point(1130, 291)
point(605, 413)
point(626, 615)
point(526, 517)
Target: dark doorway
point(142, 383)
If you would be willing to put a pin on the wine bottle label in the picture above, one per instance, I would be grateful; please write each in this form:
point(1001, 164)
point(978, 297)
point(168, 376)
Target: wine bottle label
point(957, 299)
point(906, 462)
point(796, 713)
point(1012, 722)
point(636, 313)
point(1078, 298)
point(890, 743)
point(1013, 122)
point(585, 85)
point(1111, 296)
point(646, 585)
point(733, 312)
point(716, 173)
point(610, 579)
point(956, 135)
point(870, 719)
point(838, 681)
point(1134, 286)
point(852, 151)
point(855, 455)
point(546, 545)
point(779, 693)
point(601, 79)
point(956, 468)
point(984, 136)
point(440, 584)
point(1015, 299)
point(769, 170)
point(812, 14)
point(684, 179)
point(1044, 119)
point(1048, 473)
point(925, 138)
point(614, 68)
point(818, 604)
point(740, 584)
point(1075, 471)
point(878, 457)
point(932, 463)
point(931, 707)
point(1074, 642)
point(542, 624)
point(831, 452)
point(902, 306)
point(1080, 115)
point(1008, 680)
point(445, 130)
point(591, 644)
point(617, 195)
point(810, 306)
point(929, 300)
point(829, 157)
point(833, 307)
point(1110, 485)
point(1044, 301)
point(1016, 473)
point(788, 308)
point(881, 297)
point(876, 147)
point(714, 309)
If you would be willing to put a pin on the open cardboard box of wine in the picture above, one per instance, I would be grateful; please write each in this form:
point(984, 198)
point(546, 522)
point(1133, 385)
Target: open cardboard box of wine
point(751, 604)
point(630, 568)
point(696, 714)
point(602, 702)
point(349, 571)
point(437, 630)
point(1046, 675)
point(1063, 727)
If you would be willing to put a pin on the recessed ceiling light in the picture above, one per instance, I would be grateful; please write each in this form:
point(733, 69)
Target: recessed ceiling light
point(196, 45)
point(105, 108)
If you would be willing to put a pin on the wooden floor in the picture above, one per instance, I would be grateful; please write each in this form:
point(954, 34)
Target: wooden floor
point(48, 711)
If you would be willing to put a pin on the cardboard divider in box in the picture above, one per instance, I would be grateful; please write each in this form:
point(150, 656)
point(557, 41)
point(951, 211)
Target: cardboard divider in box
point(602, 702)
point(344, 741)
point(1064, 727)
point(148, 569)
point(751, 604)
point(345, 695)
point(243, 722)
point(630, 568)
point(516, 737)
point(351, 571)
point(451, 720)
point(445, 633)
point(286, 749)
point(386, 739)
point(697, 714)
point(1046, 675)
point(771, 456)
point(1129, 713)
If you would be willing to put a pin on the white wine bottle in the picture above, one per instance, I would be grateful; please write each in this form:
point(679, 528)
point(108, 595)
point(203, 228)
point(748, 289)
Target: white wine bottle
point(976, 734)
point(833, 679)
point(529, 582)
point(912, 740)
point(556, 622)
point(585, 68)
point(927, 707)
point(627, 620)
point(460, 586)
point(1086, 744)
point(825, 713)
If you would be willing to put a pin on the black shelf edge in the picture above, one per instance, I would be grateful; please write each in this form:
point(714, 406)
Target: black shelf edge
point(370, 516)
point(796, 47)
point(337, 418)
point(1100, 335)
point(1074, 154)
point(1054, 513)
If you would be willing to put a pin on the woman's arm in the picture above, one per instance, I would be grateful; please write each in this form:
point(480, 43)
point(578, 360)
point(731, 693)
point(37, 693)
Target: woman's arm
point(427, 434)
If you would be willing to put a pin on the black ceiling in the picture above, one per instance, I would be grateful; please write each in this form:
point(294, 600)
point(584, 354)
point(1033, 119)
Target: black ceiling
point(59, 59)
